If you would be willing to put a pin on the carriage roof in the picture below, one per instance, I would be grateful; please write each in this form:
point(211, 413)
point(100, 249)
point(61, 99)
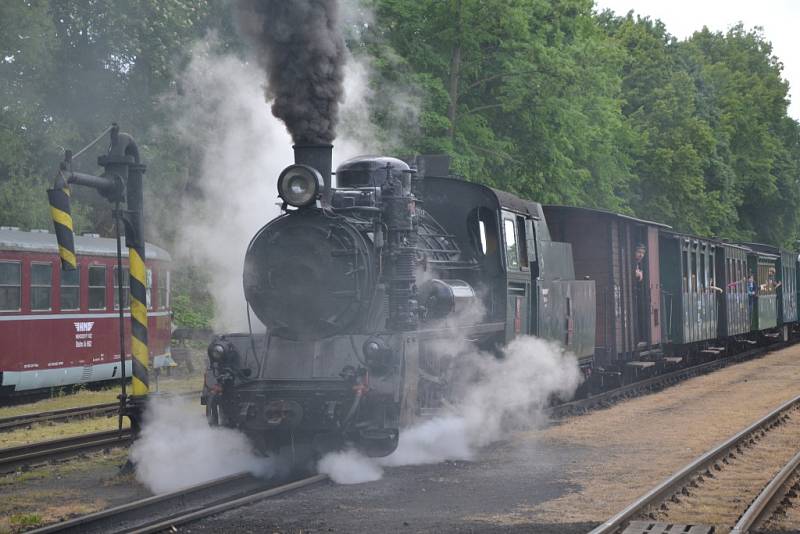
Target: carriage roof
point(87, 245)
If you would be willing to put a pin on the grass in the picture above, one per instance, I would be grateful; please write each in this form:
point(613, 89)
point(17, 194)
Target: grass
point(47, 431)
point(43, 495)
point(111, 459)
point(86, 397)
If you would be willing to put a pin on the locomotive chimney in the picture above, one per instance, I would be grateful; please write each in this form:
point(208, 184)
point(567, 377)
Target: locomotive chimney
point(319, 157)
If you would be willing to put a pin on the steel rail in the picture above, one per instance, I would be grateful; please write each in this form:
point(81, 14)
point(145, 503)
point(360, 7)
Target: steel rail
point(158, 526)
point(768, 499)
point(66, 414)
point(13, 457)
point(94, 410)
point(682, 477)
point(202, 500)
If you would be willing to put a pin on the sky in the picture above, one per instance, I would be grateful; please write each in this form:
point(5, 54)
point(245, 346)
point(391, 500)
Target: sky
point(778, 18)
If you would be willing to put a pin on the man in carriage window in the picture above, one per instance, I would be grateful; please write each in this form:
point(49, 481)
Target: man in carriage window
point(638, 256)
point(640, 305)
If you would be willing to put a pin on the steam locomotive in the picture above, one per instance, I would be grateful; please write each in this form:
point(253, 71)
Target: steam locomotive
point(359, 286)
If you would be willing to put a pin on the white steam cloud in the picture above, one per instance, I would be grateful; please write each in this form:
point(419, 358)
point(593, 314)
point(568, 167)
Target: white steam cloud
point(222, 115)
point(178, 449)
point(500, 395)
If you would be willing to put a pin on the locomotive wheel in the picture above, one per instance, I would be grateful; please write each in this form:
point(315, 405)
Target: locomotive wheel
point(212, 412)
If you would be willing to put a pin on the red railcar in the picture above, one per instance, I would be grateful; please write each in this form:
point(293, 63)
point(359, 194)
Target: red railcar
point(59, 327)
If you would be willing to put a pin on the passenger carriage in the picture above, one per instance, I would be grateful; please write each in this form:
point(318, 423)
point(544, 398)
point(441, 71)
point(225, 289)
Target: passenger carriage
point(775, 273)
point(628, 310)
point(60, 327)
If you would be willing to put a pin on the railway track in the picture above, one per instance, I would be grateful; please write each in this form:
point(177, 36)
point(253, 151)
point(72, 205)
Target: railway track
point(68, 414)
point(166, 511)
point(719, 491)
point(772, 498)
point(14, 458)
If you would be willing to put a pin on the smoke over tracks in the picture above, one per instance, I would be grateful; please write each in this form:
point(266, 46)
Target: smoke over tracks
point(300, 46)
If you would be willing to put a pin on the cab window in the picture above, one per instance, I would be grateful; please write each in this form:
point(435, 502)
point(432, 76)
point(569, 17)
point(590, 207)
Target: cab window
point(512, 250)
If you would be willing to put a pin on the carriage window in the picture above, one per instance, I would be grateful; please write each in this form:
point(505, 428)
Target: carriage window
point(41, 286)
point(97, 287)
point(10, 282)
point(163, 288)
point(523, 245)
point(482, 235)
point(703, 271)
point(126, 297)
point(70, 290)
point(512, 252)
point(685, 271)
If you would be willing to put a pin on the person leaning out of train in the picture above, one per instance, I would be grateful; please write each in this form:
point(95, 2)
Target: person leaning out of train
point(751, 286)
point(638, 256)
point(770, 284)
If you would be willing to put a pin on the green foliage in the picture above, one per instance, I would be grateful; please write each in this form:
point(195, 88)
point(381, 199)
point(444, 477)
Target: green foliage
point(192, 305)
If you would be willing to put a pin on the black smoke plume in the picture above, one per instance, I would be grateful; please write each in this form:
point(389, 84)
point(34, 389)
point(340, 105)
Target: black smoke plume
point(299, 44)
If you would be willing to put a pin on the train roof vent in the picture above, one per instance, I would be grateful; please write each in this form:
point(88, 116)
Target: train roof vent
point(40, 231)
point(90, 234)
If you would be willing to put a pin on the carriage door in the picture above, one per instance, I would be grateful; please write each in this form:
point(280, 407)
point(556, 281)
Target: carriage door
point(518, 275)
point(654, 289)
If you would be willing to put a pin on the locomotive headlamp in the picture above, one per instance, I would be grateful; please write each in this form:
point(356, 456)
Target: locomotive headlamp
point(299, 185)
point(216, 352)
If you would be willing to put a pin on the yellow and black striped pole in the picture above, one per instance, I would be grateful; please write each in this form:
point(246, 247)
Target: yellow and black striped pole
point(141, 356)
point(60, 211)
point(134, 238)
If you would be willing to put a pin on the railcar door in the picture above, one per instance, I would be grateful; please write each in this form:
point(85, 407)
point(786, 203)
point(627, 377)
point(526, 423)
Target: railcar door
point(654, 285)
point(518, 274)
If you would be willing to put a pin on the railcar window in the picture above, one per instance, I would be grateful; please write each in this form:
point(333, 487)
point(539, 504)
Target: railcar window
point(523, 244)
point(163, 289)
point(10, 282)
point(685, 271)
point(70, 290)
point(126, 297)
point(97, 287)
point(482, 230)
point(512, 252)
point(703, 271)
point(41, 286)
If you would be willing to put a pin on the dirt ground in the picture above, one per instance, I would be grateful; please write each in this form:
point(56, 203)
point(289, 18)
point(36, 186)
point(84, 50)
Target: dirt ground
point(52, 493)
point(565, 478)
point(646, 439)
